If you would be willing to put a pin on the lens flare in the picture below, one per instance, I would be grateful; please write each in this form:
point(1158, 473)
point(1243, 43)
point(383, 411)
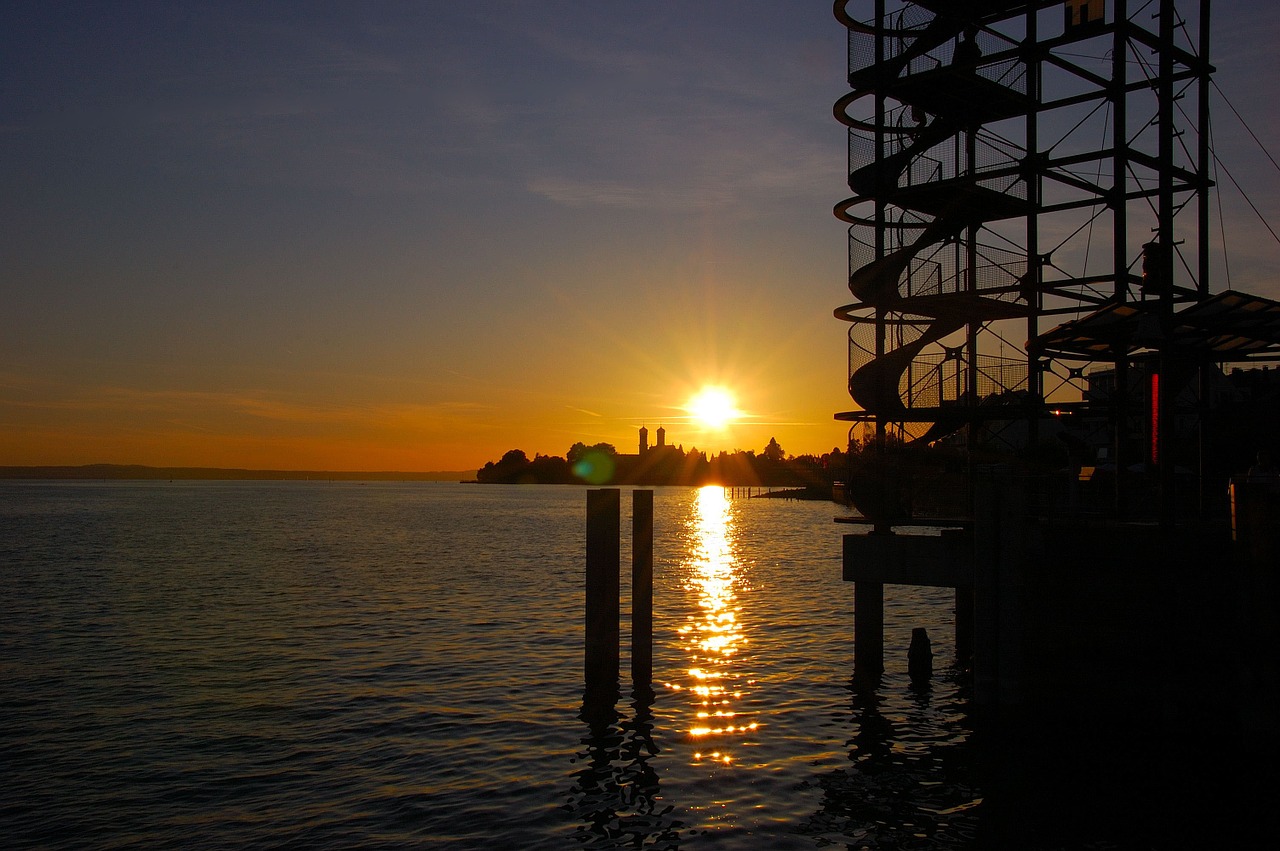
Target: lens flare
point(594, 468)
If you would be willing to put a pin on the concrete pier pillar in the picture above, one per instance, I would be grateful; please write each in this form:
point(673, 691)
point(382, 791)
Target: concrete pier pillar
point(986, 553)
point(1002, 545)
point(868, 630)
point(964, 626)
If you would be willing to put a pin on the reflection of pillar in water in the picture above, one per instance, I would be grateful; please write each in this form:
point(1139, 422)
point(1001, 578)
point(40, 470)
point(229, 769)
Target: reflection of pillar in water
point(897, 790)
point(873, 739)
point(616, 797)
point(596, 795)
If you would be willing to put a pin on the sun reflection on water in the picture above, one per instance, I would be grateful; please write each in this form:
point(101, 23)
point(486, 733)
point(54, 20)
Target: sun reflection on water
point(715, 635)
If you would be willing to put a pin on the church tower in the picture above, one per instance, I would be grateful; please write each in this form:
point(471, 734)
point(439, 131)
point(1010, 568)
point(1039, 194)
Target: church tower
point(644, 440)
point(662, 437)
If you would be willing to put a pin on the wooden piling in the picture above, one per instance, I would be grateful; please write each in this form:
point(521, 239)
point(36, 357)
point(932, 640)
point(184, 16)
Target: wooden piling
point(920, 656)
point(641, 587)
point(602, 591)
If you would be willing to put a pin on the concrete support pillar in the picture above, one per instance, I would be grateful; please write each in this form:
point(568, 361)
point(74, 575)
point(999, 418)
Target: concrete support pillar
point(1001, 548)
point(964, 626)
point(868, 630)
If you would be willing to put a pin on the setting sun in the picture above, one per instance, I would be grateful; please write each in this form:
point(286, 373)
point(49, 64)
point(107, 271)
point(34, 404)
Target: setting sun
point(713, 407)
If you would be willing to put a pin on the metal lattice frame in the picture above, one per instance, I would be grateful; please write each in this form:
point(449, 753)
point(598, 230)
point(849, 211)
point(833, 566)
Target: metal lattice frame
point(1013, 164)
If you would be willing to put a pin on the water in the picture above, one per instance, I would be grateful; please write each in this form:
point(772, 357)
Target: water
point(386, 665)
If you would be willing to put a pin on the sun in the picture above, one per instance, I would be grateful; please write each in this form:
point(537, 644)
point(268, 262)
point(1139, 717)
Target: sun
point(713, 407)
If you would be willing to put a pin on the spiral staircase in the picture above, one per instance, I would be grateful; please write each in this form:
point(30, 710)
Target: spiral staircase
point(1017, 167)
point(928, 180)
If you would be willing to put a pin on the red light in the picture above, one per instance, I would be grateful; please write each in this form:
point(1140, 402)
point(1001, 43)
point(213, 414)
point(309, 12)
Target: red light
point(1155, 418)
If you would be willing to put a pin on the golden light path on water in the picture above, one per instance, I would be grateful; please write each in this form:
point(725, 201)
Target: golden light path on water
point(715, 635)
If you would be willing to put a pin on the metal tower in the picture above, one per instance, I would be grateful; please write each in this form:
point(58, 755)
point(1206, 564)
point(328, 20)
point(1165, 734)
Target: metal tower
point(1018, 167)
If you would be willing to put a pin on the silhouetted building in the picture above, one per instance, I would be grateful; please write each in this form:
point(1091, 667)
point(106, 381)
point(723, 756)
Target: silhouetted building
point(659, 463)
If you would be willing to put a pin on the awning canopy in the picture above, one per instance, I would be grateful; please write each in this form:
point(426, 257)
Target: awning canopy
point(1228, 326)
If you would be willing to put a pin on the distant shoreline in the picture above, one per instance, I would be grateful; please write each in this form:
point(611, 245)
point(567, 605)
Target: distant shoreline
point(136, 471)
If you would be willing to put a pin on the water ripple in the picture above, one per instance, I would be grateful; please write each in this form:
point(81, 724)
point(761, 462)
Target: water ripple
point(316, 665)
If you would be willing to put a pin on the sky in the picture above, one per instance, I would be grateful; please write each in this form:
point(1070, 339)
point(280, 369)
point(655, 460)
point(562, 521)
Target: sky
point(414, 235)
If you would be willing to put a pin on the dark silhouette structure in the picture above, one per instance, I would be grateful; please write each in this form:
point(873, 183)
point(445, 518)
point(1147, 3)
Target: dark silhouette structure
point(806, 476)
point(1031, 201)
point(1029, 256)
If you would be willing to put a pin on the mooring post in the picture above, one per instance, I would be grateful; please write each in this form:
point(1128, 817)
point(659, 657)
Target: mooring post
point(641, 587)
point(920, 656)
point(603, 609)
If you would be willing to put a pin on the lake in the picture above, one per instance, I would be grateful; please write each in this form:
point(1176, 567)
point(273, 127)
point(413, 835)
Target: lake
point(399, 665)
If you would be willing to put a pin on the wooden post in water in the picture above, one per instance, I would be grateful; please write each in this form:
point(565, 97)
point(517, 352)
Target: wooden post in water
point(603, 609)
point(641, 587)
point(920, 656)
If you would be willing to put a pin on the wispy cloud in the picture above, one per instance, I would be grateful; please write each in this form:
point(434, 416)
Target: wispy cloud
point(564, 190)
point(214, 410)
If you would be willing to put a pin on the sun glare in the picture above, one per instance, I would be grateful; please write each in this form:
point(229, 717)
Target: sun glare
point(713, 407)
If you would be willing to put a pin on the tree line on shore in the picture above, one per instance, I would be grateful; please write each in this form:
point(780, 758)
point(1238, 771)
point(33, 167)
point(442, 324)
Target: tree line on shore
point(602, 464)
